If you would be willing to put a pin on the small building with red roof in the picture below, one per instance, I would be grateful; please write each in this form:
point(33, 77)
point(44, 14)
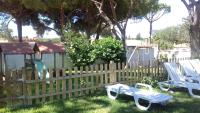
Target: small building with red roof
point(16, 55)
point(13, 55)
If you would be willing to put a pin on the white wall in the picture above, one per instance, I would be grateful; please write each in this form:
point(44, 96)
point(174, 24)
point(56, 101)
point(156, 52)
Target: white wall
point(14, 61)
point(176, 53)
point(48, 60)
point(142, 56)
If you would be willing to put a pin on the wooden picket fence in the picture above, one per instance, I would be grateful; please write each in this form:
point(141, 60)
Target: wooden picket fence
point(24, 87)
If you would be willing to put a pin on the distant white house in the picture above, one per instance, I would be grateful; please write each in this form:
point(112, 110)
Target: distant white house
point(179, 51)
point(140, 53)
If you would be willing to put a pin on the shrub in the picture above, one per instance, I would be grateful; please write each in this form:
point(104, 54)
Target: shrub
point(150, 81)
point(82, 52)
point(108, 49)
point(78, 48)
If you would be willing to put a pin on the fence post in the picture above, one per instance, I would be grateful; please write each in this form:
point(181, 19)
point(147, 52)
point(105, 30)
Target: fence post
point(1, 84)
point(29, 85)
point(24, 89)
point(112, 68)
point(8, 87)
point(37, 90)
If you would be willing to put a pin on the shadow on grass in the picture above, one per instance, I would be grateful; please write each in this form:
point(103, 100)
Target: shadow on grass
point(181, 103)
point(74, 105)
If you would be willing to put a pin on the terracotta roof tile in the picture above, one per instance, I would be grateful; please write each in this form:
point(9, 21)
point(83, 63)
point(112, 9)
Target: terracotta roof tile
point(16, 48)
point(49, 47)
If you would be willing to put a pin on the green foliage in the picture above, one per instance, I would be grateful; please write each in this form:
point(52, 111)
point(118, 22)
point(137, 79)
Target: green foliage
point(162, 43)
point(82, 52)
point(138, 37)
point(108, 49)
point(79, 48)
point(5, 32)
point(176, 34)
point(150, 81)
point(155, 7)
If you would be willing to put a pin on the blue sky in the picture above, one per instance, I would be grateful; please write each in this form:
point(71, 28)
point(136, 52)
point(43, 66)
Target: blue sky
point(175, 17)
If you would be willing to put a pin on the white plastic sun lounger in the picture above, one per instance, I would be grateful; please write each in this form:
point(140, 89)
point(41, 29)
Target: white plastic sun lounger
point(196, 65)
point(189, 70)
point(148, 95)
point(176, 79)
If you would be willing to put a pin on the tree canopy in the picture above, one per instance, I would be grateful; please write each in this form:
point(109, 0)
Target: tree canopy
point(175, 34)
point(21, 14)
point(89, 16)
point(157, 10)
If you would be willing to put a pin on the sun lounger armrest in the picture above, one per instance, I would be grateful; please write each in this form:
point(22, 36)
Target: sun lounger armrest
point(138, 85)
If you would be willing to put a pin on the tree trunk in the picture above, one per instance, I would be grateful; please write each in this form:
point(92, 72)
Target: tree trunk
point(193, 8)
point(150, 31)
point(195, 41)
point(62, 22)
point(98, 30)
point(19, 28)
point(195, 31)
point(123, 36)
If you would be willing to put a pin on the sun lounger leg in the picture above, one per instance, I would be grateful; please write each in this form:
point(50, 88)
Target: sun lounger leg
point(163, 88)
point(111, 96)
point(140, 106)
point(192, 94)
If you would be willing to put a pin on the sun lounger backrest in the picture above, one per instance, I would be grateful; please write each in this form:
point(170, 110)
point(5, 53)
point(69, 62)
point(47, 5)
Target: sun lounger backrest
point(196, 65)
point(173, 71)
point(187, 67)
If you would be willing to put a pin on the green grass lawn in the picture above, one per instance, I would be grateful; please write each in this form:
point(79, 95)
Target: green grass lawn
point(99, 103)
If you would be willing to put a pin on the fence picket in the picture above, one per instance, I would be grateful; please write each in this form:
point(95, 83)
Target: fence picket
point(76, 84)
point(70, 83)
point(81, 81)
point(130, 75)
point(8, 87)
point(101, 75)
point(92, 78)
point(36, 85)
point(123, 73)
point(63, 85)
point(29, 86)
point(44, 85)
point(87, 79)
point(97, 75)
point(106, 74)
point(57, 83)
point(24, 91)
point(51, 91)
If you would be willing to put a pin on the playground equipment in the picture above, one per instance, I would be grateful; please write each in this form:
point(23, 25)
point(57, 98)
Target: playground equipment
point(40, 66)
